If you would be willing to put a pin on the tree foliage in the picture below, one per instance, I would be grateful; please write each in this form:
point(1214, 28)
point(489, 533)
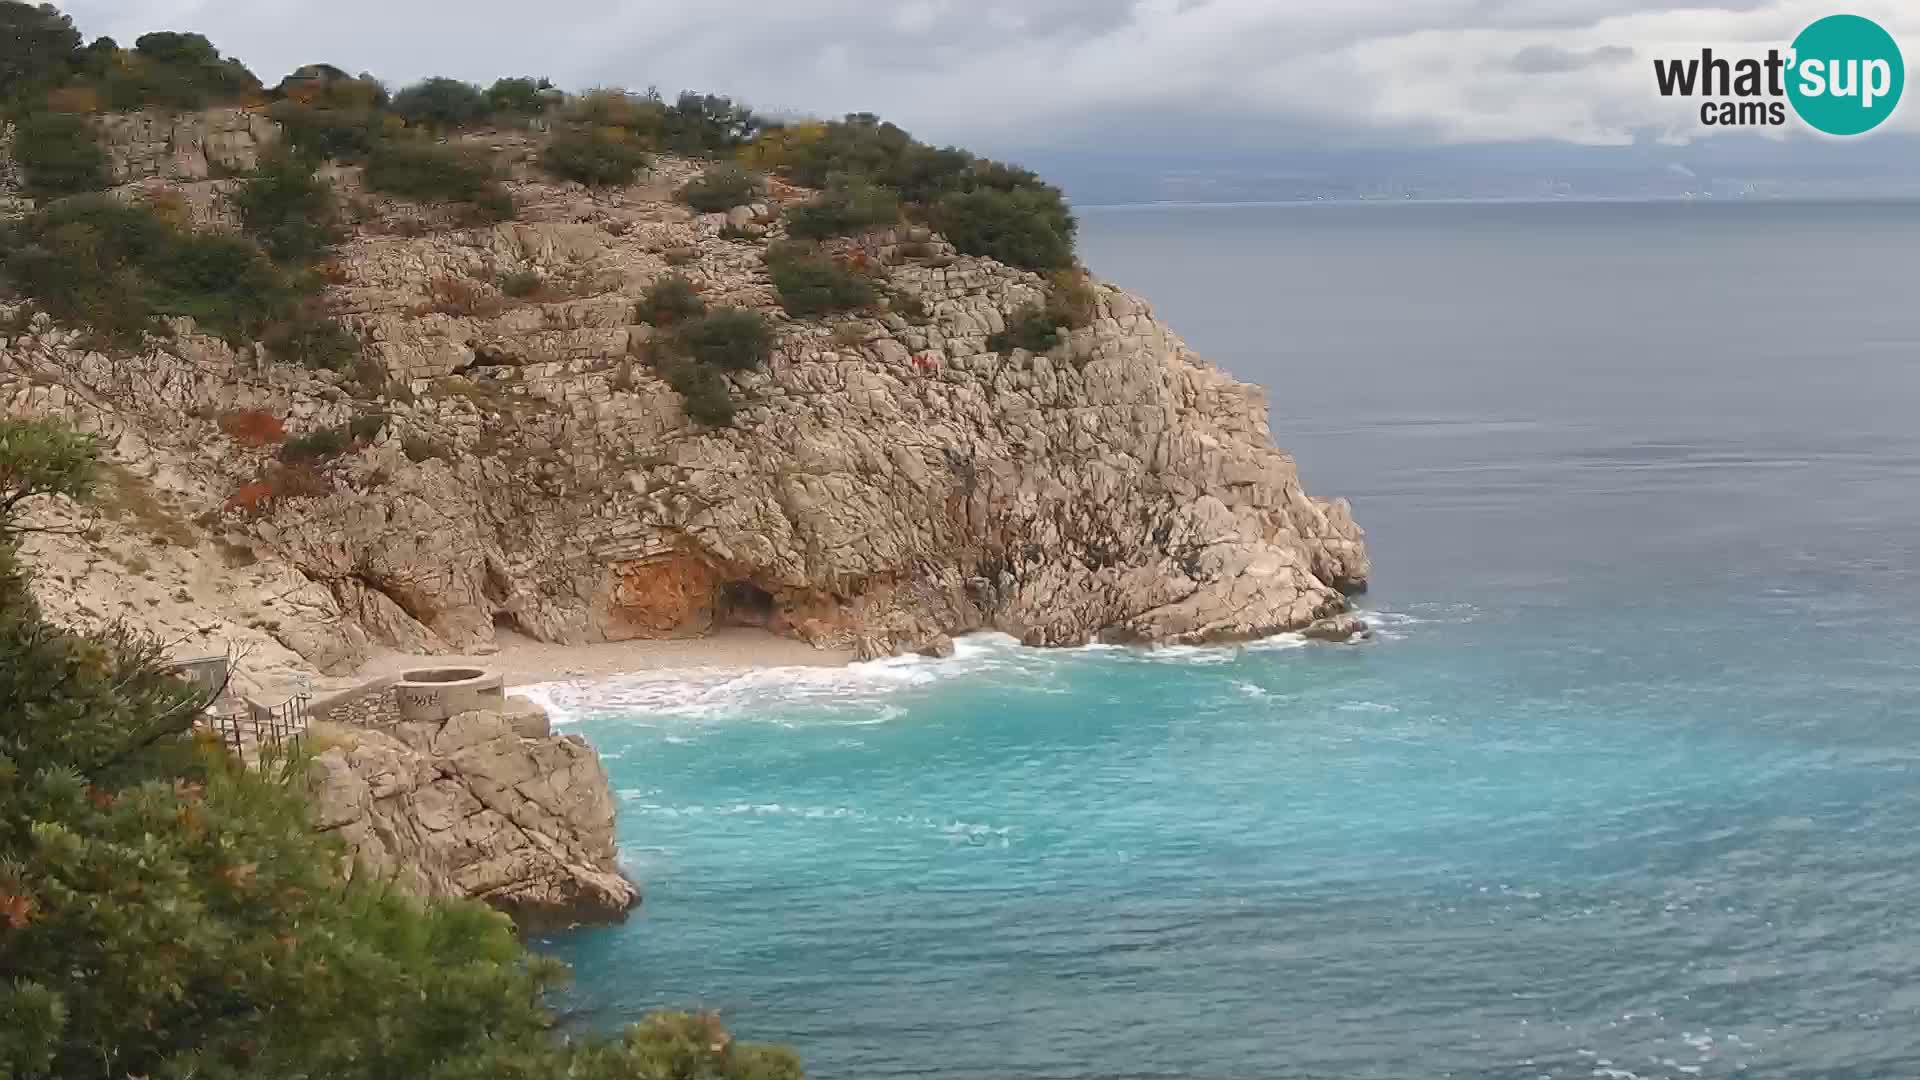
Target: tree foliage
point(168, 912)
point(812, 284)
point(61, 155)
point(113, 268)
point(850, 204)
point(441, 103)
point(289, 210)
point(722, 187)
point(598, 157)
point(728, 338)
point(39, 50)
point(985, 207)
point(427, 172)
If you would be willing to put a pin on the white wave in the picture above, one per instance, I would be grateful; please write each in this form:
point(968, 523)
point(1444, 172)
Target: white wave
point(1367, 706)
point(971, 831)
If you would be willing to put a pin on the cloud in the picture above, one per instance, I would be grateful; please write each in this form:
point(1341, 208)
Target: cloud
point(1550, 59)
point(1037, 73)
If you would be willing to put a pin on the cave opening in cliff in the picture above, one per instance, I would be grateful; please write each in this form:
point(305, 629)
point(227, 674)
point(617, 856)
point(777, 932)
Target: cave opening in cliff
point(742, 603)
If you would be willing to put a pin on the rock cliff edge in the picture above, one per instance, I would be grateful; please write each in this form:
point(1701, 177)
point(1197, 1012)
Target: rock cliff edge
point(889, 479)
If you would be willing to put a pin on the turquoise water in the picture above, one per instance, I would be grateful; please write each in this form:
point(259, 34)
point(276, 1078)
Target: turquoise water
point(1626, 788)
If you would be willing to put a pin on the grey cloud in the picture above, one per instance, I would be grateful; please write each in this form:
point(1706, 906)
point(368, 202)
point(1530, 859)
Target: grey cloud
point(1039, 72)
point(1550, 59)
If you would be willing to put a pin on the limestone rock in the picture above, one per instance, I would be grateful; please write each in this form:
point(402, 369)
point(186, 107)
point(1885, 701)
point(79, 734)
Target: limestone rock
point(482, 805)
point(1339, 628)
point(887, 480)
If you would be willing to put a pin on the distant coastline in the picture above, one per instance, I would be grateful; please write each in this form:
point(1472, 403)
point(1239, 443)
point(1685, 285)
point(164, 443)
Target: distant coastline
point(1516, 200)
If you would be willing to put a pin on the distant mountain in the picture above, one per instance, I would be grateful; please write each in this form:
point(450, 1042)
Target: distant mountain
point(1727, 167)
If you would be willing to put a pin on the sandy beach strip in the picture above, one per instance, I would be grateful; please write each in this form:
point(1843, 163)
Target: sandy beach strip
point(524, 661)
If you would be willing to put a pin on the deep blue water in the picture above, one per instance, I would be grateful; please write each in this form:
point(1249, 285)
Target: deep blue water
point(1627, 789)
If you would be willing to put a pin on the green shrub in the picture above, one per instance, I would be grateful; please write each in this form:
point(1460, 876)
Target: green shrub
point(1071, 299)
point(708, 396)
point(1028, 228)
point(94, 262)
point(849, 206)
point(61, 155)
point(440, 103)
point(429, 172)
point(169, 70)
point(810, 284)
point(670, 300)
point(313, 342)
point(521, 285)
point(1032, 328)
point(289, 210)
point(367, 426)
point(419, 449)
point(41, 51)
point(732, 339)
point(597, 158)
point(722, 187)
point(315, 446)
point(330, 132)
point(521, 96)
point(169, 911)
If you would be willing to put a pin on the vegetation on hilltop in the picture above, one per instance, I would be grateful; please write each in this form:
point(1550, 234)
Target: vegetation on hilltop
point(99, 268)
point(168, 912)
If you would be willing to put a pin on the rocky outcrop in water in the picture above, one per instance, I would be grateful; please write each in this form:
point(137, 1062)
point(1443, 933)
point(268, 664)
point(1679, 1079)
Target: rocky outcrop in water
point(889, 479)
point(484, 805)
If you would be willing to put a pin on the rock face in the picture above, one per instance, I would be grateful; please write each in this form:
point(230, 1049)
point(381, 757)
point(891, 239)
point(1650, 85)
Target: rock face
point(185, 146)
point(484, 805)
point(889, 480)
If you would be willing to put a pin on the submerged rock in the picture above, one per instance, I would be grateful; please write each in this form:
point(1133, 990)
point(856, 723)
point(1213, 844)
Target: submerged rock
point(1344, 627)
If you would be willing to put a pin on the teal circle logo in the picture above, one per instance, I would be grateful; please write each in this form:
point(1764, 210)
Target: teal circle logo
point(1846, 75)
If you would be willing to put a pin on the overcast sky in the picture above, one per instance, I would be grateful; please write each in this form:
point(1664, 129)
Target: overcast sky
point(1012, 73)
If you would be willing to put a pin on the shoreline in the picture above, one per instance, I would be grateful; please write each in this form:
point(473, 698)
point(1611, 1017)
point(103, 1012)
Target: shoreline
point(523, 661)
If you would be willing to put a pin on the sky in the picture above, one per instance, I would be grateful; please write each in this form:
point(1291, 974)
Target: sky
point(1013, 74)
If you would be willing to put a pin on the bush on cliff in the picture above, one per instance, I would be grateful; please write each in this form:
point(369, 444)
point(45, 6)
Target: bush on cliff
point(39, 49)
point(1032, 328)
point(600, 157)
point(440, 104)
point(1029, 228)
point(166, 911)
point(96, 263)
point(521, 96)
point(326, 130)
point(849, 205)
point(61, 155)
point(721, 188)
point(670, 300)
point(811, 284)
point(430, 172)
point(288, 209)
point(728, 338)
point(708, 397)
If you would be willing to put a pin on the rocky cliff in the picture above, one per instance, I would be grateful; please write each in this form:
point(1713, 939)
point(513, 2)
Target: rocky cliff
point(490, 806)
point(889, 479)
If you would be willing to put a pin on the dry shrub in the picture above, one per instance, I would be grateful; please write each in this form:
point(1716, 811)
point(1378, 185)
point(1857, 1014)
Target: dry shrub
point(74, 99)
point(459, 296)
point(253, 427)
point(250, 498)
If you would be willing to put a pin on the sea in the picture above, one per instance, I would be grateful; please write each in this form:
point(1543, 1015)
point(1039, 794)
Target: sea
point(1627, 786)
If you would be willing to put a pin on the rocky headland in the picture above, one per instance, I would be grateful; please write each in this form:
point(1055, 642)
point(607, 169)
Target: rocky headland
point(889, 479)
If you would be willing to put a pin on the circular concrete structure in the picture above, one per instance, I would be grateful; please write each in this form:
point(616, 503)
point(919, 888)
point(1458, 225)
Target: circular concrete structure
point(431, 694)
